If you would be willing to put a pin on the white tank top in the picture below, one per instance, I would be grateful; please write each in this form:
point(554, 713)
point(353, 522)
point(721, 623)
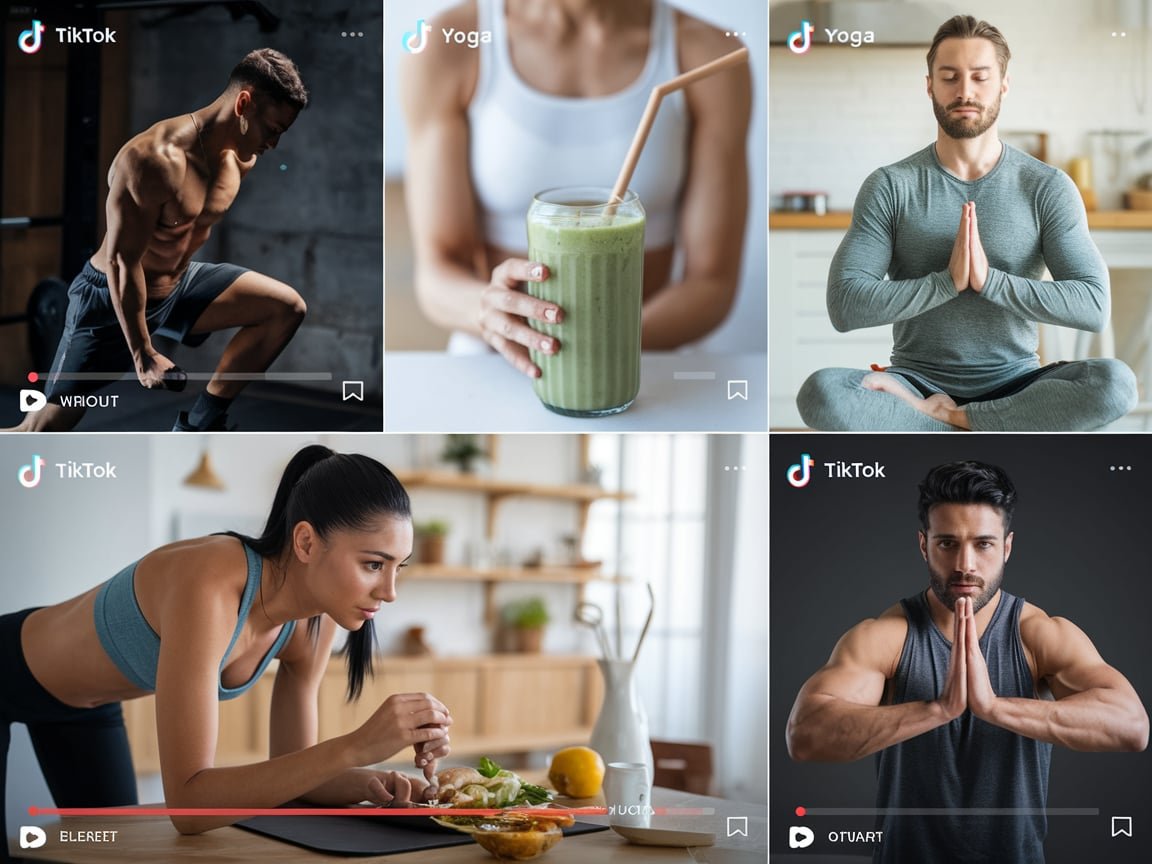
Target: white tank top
point(523, 141)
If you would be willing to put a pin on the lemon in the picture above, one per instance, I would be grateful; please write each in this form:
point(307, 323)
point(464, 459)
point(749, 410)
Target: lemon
point(576, 772)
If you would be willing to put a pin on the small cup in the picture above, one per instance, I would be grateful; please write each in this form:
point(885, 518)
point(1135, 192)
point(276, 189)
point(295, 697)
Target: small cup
point(628, 794)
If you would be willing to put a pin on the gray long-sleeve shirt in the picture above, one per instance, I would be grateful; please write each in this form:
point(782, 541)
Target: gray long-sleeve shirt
point(904, 224)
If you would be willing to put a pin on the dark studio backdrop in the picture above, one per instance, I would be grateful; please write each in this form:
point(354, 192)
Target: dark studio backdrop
point(846, 549)
point(309, 213)
point(318, 225)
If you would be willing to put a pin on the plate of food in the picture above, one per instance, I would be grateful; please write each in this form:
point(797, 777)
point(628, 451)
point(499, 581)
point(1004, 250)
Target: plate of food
point(529, 824)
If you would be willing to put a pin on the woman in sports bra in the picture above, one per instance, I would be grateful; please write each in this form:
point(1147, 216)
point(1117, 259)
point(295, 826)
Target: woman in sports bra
point(549, 95)
point(197, 622)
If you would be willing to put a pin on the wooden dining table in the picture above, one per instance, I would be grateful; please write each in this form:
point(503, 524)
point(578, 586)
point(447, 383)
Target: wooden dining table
point(153, 839)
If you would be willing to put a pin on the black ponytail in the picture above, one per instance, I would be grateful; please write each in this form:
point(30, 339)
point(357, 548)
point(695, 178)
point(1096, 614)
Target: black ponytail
point(332, 491)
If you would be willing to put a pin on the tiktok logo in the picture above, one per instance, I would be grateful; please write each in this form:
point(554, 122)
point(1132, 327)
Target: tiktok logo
point(800, 41)
point(416, 40)
point(29, 475)
point(800, 473)
point(29, 40)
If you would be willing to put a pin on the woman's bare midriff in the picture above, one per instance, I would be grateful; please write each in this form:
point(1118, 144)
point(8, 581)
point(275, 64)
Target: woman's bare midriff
point(64, 652)
point(657, 266)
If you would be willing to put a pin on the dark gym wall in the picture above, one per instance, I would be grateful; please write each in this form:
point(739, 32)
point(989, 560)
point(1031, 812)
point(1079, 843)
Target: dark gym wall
point(317, 225)
point(33, 166)
point(844, 550)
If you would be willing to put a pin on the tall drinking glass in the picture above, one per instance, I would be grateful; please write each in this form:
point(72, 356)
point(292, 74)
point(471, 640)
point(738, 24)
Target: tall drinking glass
point(595, 258)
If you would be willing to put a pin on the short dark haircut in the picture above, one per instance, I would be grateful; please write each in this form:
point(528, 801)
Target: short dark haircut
point(271, 73)
point(967, 483)
point(968, 27)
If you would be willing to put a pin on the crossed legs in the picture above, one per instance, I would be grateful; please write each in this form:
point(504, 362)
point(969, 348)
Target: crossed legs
point(1078, 396)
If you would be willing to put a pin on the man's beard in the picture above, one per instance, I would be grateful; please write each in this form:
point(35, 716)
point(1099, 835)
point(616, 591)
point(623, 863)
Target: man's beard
point(964, 127)
point(940, 582)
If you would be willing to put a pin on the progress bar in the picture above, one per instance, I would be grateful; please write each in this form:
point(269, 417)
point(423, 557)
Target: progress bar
point(346, 811)
point(952, 811)
point(693, 376)
point(192, 376)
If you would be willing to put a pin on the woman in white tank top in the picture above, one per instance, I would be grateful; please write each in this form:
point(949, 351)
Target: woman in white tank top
point(552, 99)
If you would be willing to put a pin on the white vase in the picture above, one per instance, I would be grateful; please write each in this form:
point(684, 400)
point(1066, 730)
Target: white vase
point(621, 730)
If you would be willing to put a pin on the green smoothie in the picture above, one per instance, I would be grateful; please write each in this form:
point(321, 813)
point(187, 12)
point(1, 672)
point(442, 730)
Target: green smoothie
point(596, 261)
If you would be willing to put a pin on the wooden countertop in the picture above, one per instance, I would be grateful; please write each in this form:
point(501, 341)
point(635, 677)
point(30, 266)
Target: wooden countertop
point(839, 219)
point(152, 838)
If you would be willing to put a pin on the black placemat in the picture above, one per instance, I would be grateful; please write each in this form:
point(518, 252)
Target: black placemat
point(369, 835)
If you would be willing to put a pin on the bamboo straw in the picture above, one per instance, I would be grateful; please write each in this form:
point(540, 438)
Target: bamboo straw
point(738, 56)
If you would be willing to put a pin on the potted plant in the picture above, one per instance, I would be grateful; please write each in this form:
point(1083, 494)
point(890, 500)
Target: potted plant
point(431, 535)
point(463, 451)
point(527, 619)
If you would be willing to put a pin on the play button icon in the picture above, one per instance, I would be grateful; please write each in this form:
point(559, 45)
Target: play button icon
point(32, 400)
point(799, 837)
point(32, 837)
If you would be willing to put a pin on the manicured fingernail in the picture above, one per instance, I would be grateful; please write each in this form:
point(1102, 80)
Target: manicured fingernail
point(549, 314)
point(536, 272)
point(545, 344)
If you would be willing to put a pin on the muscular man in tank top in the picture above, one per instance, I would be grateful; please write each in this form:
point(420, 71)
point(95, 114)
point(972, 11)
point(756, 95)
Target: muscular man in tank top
point(962, 689)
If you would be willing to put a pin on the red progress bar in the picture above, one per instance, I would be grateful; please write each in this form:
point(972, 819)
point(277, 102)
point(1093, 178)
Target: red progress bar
point(342, 811)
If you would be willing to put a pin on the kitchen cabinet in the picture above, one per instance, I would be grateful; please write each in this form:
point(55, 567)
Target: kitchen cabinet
point(801, 337)
point(500, 703)
point(504, 703)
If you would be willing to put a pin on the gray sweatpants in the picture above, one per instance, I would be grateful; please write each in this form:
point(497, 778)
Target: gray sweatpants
point(1077, 396)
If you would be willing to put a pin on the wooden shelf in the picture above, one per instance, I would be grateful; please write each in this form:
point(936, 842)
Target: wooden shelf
point(490, 578)
point(492, 487)
point(811, 221)
point(496, 491)
point(450, 573)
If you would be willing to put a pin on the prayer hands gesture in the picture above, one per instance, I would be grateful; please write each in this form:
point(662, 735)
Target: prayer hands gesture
point(967, 685)
point(968, 264)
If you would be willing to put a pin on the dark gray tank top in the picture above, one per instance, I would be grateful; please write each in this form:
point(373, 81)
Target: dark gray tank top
point(965, 763)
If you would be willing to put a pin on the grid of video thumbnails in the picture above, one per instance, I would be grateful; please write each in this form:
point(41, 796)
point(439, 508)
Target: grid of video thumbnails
point(871, 554)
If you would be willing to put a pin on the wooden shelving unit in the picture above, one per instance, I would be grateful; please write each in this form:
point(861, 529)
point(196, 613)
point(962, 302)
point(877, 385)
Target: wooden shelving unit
point(491, 577)
point(496, 491)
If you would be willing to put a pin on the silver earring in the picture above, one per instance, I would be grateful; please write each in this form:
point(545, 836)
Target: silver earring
point(243, 125)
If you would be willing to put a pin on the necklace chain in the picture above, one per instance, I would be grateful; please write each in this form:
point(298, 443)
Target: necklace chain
point(200, 138)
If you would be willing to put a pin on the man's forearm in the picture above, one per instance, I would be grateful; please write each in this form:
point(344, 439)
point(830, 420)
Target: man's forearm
point(857, 299)
point(834, 730)
point(1079, 303)
point(129, 294)
point(1093, 720)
